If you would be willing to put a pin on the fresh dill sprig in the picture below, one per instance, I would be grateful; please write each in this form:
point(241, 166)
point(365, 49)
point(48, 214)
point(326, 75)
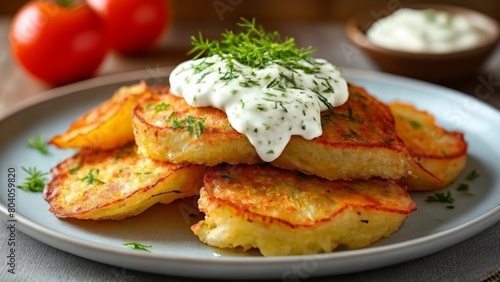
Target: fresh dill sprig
point(464, 187)
point(258, 49)
point(194, 126)
point(161, 107)
point(74, 168)
point(143, 173)
point(137, 246)
point(255, 48)
point(91, 178)
point(441, 197)
point(39, 143)
point(35, 181)
point(472, 175)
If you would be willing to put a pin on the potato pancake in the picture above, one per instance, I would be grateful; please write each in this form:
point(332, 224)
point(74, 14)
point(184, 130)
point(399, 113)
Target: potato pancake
point(106, 126)
point(284, 212)
point(167, 128)
point(439, 155)
point(359, 139)
point(118, 183)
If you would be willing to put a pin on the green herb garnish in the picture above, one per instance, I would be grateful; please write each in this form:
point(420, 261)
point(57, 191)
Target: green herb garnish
point(472, 175)
point(123, 153)
point(91, 178)
point(253, 47)
point(66, 3)
point(38, 143)
point(257, 48)
point(35, 182)
point(415, 124)
point(441, 197)
point(349, 116)
point(194, 126)
point(465, 185)
point(161, 107)
point(137, 246)
point(75, 168)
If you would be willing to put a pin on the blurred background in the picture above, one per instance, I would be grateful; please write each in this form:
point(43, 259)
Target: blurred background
point(214, 16)
point(313, 10)
point(316, 23)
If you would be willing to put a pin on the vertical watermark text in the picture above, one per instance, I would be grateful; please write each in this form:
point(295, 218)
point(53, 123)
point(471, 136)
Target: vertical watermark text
point(11, 221)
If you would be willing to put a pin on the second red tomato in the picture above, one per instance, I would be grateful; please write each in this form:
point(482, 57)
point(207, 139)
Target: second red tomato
point(132, 26)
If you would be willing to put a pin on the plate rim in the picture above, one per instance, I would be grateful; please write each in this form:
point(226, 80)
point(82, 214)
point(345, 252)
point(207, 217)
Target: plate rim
point(45, 235)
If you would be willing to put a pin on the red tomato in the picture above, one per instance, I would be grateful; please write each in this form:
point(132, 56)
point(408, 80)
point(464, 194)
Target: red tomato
point(58, 44)
point(132, 26)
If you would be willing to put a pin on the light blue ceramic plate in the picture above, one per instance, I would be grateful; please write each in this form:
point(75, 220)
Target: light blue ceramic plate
point(176, 251)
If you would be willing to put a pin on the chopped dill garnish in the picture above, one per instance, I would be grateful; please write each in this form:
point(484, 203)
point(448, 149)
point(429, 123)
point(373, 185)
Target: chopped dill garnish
point(249, 83)
point(161, 107)
point(91, 178)
point(38, 143)
point(256, 48)
point(194, 126)
point(472, 175)
point(415, 124)
point(121, 154)
point(464, 187)
point(75, 168)
point(137, 246)
point(349, 116)
point(35, 181)
point(441, 197)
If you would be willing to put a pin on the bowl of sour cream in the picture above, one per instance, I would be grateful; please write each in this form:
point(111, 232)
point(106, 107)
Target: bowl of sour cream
point(432, 42)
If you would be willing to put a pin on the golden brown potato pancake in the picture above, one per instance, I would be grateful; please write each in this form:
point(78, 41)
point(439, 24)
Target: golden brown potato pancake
point(284, 212)
point(106, 126)
point(117, 183)
point(165, 128)
point(359, 139)
point(439, 155)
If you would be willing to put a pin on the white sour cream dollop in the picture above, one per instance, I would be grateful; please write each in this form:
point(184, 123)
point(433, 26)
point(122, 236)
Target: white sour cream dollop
point(426, 30)
point(268, 105)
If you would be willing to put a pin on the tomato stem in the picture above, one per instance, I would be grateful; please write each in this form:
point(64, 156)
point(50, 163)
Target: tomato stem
point(65, 3)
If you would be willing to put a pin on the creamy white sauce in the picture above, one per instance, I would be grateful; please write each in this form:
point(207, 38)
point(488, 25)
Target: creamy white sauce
point(425, 31)
point(267, 105)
